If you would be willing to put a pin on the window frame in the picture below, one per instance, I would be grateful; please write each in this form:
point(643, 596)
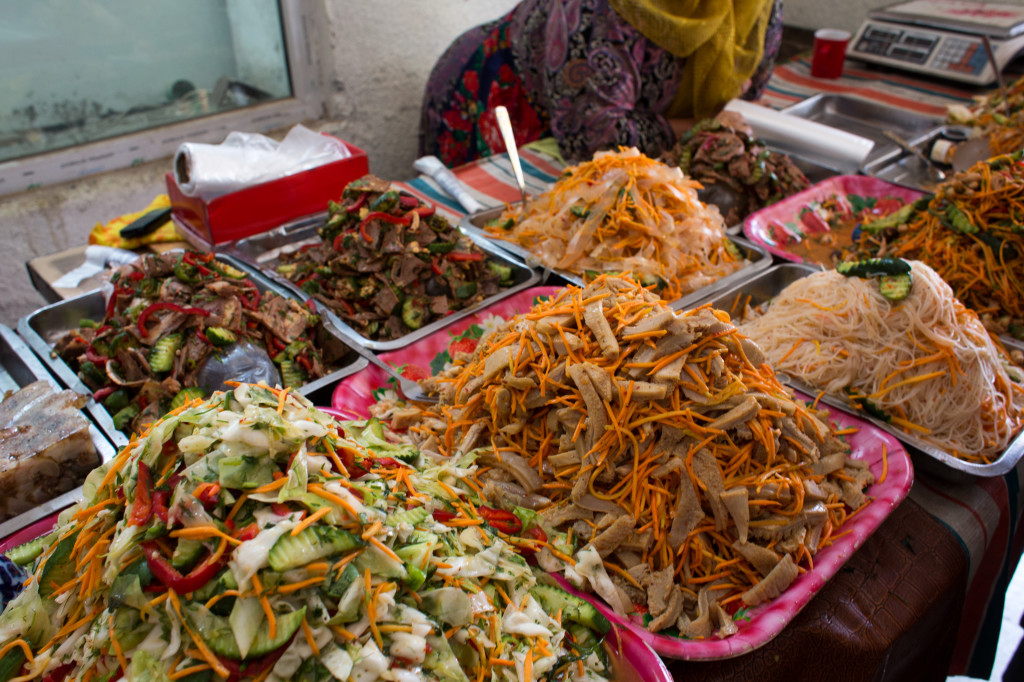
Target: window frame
point(299, 27)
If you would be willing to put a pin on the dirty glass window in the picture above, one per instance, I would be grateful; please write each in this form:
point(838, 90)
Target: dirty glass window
point(78, 71)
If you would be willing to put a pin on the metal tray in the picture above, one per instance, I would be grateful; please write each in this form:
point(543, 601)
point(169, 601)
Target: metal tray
point(904, 168)
point(263, 252)
point(41, 329)
point(19, 368)
point(765, 286)
point(865, 118)
point(758, 256)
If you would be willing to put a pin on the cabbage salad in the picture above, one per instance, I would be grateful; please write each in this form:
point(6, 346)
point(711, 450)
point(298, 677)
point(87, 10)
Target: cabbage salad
point(250, 536)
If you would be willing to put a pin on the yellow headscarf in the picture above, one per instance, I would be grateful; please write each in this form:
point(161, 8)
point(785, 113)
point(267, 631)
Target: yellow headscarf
point(721, 40)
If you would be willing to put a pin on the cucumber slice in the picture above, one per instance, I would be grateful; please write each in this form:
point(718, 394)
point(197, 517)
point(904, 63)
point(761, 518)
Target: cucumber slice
point(552, 599)
point(185, 395)
point(216, 632)
point(413, 517)
point(341, 582)
point(219, 336)
point(123, 417)
point(312, 544)
point(58, 568)
point(186, 554)
point(25, 554)
point(895, 287)
point(11, 663)
point(874, 267)
point(161, 356)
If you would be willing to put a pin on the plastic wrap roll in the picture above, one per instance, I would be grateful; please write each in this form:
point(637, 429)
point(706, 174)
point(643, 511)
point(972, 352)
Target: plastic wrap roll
point(245, 159)
point(821, 144)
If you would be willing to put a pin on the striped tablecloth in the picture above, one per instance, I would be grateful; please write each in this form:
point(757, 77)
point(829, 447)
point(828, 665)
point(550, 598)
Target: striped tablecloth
point(983, 515)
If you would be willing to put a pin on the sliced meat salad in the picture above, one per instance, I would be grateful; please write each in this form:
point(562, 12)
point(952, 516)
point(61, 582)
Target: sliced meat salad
point(169, 316)
point(388, 264)
point(666, 470)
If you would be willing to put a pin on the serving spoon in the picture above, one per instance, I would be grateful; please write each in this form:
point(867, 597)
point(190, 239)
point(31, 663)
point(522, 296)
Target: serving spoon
point(409, 389)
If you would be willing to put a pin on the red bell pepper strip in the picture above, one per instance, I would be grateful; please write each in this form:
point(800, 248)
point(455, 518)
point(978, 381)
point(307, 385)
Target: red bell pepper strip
point(280, 508)
point(243, 296)
point(501, 520)
point(358, 204)
point(208, 494)
point(202, 337)
point(248, 533)
point(94, 357)
point(136, 276)
point(384, 218)
point(160, 498)
point(142, 506)
point(387, 463)
point(406, 201)
point(533, 533)
point(169, 576)
point(459, 256)
point(153, 307)
point(112, 302)
point(443, 516)
point(103, 393)
point(812, 221)
point(435, 265)
point(60, 673)
point(421, 211)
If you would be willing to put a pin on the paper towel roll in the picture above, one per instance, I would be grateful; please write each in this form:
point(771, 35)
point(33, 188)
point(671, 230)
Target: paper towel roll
point(244, 159)
point(810, 140)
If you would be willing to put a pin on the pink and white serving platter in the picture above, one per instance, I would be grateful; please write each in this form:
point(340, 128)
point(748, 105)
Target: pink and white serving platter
point(354, 395)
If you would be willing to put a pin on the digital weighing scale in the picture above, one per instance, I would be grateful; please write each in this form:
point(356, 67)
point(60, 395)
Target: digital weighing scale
point(942, 38)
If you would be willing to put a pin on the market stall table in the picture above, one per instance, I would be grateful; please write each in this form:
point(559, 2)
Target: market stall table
point(924, 597)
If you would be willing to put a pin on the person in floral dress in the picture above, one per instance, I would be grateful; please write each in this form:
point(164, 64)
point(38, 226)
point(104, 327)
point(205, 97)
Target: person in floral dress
point(579, 71)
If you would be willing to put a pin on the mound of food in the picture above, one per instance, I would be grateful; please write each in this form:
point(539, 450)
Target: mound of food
point(169, 316)
point(970, 232)
point(658, 442)
point(388, 265)
point(1000, 119)
point(891, 337)
point(738, 173)
point(624, 213)
point(252, 537)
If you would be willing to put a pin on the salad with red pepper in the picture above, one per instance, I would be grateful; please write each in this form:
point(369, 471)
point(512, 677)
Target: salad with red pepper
point(168, 315)
point(388, 264)
point(250, 536)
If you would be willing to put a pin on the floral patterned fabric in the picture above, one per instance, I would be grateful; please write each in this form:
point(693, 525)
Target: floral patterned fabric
point(573, 69)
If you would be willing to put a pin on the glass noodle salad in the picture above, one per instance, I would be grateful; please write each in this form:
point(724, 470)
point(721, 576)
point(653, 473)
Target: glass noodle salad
point(250, 536)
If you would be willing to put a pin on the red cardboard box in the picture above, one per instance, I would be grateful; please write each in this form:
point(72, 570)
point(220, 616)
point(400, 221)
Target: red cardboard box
point(256, 209)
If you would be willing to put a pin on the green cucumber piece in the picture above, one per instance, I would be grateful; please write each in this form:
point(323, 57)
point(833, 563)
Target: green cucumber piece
point(414, 312)
point(161, 355)
point(185, 395)
point(123, 417)
point(312, 544)
point(413, 516)
point(552, 599)
point(895, 287)
point(116, 401)
point(186, 554)
point(25, 554)
point(440, 247)
point(874, 267)
point(898, 217)
point(341, 582)
point(11, 663)
point(503, 272)
point(58, 568)
point(465, 290)
point(216, 632)
point(219, 336)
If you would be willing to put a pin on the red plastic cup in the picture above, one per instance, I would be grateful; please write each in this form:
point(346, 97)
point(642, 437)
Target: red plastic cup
point(829, 52)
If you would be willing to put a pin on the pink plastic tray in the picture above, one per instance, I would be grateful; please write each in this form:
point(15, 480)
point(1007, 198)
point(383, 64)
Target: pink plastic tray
point(757, 226)
point(356, 393)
